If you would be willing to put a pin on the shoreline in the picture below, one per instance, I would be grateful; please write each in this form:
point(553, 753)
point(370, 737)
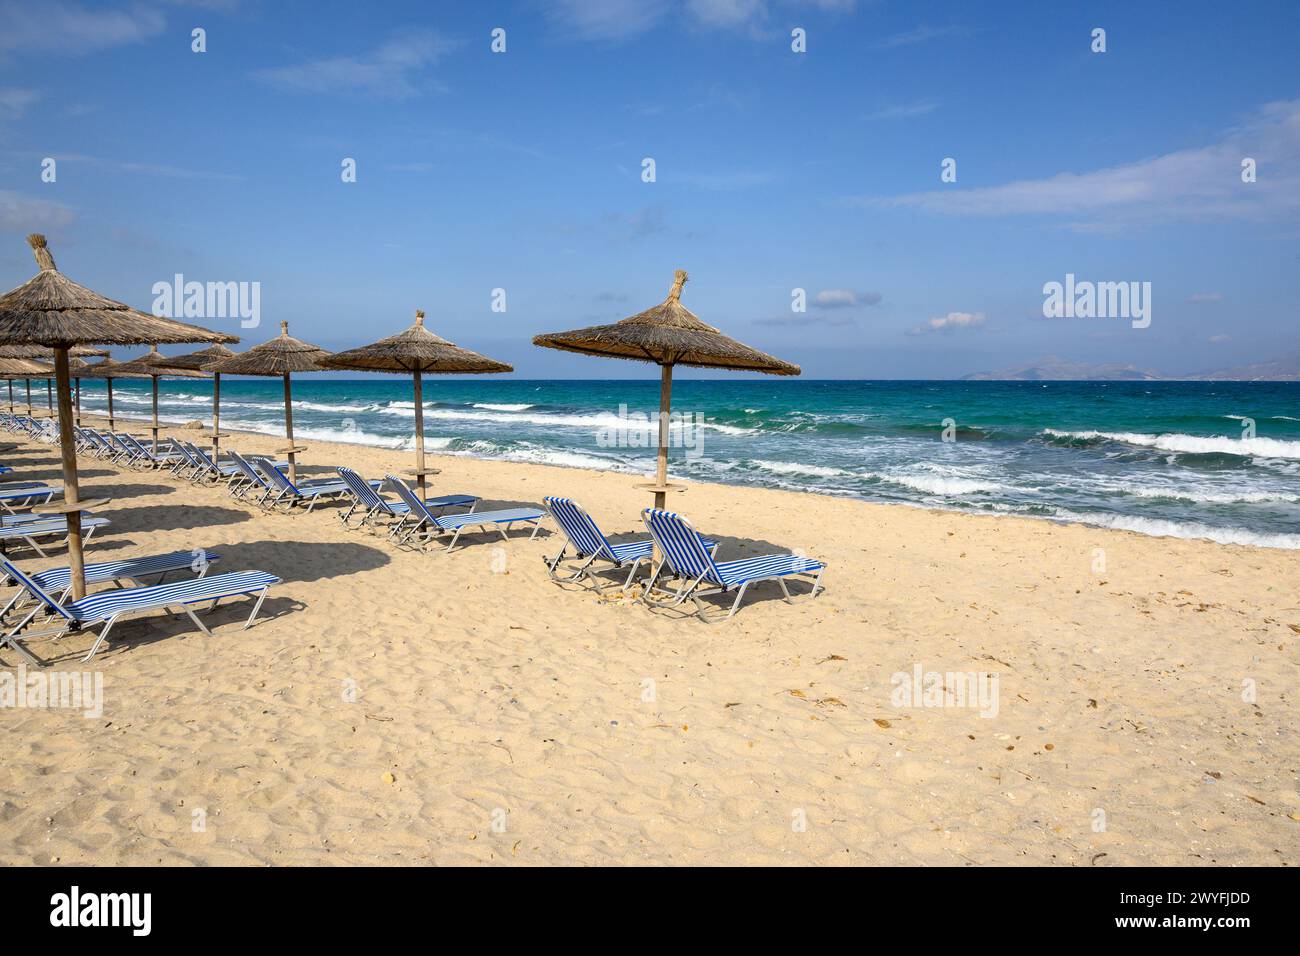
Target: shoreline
point(391, 705)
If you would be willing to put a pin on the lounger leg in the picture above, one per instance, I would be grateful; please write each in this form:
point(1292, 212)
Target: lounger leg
point(34, 545)
point(627, 585)
point(103, 635)
point(14, 641)
point(256, 607)
point(454, 538)
point(195, 618)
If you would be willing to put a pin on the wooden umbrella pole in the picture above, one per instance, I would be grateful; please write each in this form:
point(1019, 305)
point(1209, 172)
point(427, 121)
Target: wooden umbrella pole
point(78, 403)
point(665, 403)
point(111, 426)
point(419, 432)
point(288, 429)
point(49, 397)
point(11, 396)
point(216, 416)
point(29, 397)
point(71, 491)
point(155, 414)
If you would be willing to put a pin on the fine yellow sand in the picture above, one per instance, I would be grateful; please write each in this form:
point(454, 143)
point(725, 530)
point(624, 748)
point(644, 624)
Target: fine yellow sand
point(412, 708)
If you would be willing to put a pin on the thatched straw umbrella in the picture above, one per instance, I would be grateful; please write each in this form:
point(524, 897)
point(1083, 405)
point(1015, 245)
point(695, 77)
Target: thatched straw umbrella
point(195, 361)
point(668, 334)
point(280, 356)
point(12, 368)
point(417, 350)
point(154, 364)
point(46, 356)
point(50, 309)
point(108, 370)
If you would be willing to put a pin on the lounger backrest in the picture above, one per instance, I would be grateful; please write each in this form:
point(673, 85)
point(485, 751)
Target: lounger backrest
point(680, 544)
point(578, 526)
point(412, 500)
point(242, 464)
point(202, 457)
point(275, 477)
point(359, 487)
point(34, 589)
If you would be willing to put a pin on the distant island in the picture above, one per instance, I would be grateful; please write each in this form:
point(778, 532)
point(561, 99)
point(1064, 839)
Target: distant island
point(1054, 369)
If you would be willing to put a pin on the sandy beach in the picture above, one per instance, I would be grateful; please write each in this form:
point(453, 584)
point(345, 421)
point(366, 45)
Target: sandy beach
point(413, 708)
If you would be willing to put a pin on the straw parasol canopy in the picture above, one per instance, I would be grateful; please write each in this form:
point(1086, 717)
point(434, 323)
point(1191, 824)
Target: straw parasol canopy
point(668, 334)
point(154, 364)
point(108, 370)
point(195, 361)
point(280, 356)
point(416, 350)
point(51, 310)
point(12, 368)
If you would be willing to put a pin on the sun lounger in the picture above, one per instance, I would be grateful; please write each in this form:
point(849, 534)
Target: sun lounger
point(429, 526)
point(59, 580)
point(21, 495)
point(106, 607)
point(686, 558)
point(289, 493)
point(28, 528)
point(373, 506)
point(590, 545)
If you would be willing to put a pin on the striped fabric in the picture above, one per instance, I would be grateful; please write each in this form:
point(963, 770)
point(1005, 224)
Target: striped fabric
point(362, 491)
point(578, 527)
point(56, 579)
point(505, 516)
point(46, 526)
point(687, 556)
point(9, 491)
point(411, 503)
point(107, 604)
point(306, 489)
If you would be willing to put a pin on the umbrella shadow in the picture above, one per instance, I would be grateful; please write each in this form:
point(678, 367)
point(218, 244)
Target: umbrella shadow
point(300, 560)
point(119, 492)
point(56, 474)
point(172, 517)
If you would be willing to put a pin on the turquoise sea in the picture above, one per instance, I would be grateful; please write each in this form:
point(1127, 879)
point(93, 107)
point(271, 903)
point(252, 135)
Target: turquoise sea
point(1164, 458)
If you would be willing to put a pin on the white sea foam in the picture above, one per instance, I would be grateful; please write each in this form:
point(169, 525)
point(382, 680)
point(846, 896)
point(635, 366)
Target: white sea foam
point(798, 468)
point(1202, 496)
point(942, 485)
point(1162, 528)
point(503, 408)
point(1192, 444)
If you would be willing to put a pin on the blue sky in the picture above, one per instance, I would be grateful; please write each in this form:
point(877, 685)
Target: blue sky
point(774, 170)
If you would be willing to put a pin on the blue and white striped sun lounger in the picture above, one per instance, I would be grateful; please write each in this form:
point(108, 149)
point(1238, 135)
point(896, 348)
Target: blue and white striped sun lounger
point(22, 495)
point(373, 506)
point(59, 580)
point(106, 607)
point(686, 558)
point(162, 458)
point(289, 493)
point(590, 545)
point(430, 526)
point(28, 528)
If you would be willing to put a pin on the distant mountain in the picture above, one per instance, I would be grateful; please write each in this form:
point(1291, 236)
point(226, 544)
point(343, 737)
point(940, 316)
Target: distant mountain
point(1053, 369)
point(1285, 369)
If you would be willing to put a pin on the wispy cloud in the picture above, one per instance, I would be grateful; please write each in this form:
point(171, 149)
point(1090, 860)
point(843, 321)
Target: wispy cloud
point(396, 70)
point(904, 110)
point(807, 318)
point(20, 213)
point(617, 20)
point(952, 322)
point(72, 30)
point(921, 34)
point(1200, 183)
point(727, 181)
point(145, 169)
point(1205, 297)
point(844, 299)
point(14, 101)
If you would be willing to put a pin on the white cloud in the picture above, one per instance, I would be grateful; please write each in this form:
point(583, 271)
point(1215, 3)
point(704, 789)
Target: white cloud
point(24, 214)
point(920, 35)
point(1221, 337)
point(1205, 297)
point(394, 70)
point(844, 299)
point(1201, 183)
point(15, 100)
point(72, 30)
point(614, 20)
point(952, 322)
point(904, 110)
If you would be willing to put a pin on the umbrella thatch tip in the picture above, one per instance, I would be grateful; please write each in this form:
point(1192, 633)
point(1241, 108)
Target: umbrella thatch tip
point(284, 328)
point(419, 317)
point(39, 249)
point(679, 280)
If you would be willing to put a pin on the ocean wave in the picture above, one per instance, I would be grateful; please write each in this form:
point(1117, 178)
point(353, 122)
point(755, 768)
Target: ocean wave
point(503, 408)
point(599, 421)
point(799, 468)
point(941, 484)
point(1211, 497)
point(1189, 444)
point(1162, 528)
